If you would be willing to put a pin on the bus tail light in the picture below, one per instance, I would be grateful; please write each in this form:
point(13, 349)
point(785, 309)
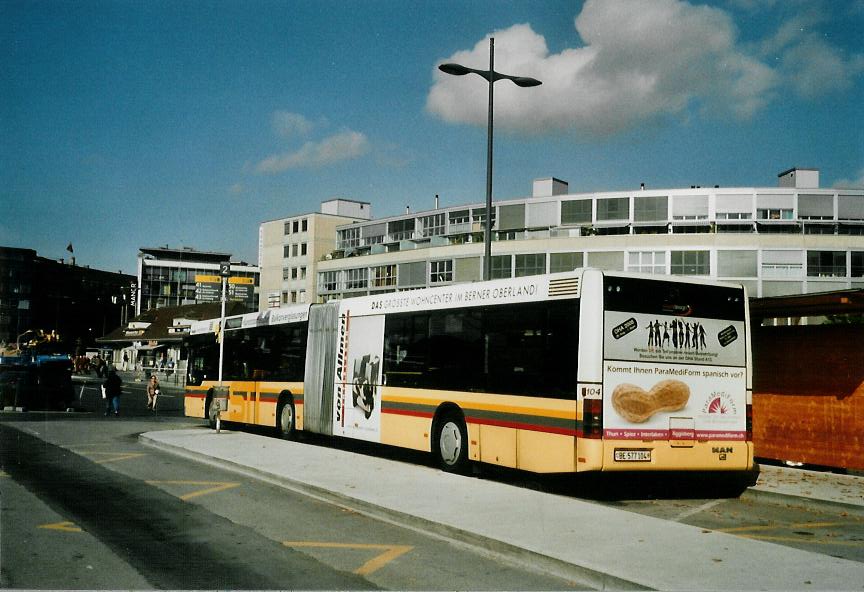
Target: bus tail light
point(592, 418)
point(749, 424)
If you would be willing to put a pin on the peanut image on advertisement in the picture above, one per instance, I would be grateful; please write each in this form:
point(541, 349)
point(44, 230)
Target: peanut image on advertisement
point(636, 405)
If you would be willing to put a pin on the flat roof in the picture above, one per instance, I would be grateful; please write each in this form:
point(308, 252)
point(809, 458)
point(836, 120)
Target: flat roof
point(808, 305)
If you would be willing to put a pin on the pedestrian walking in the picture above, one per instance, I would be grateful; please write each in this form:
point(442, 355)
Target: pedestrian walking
point(125, 360)
point(113, 387)
point(153, 391)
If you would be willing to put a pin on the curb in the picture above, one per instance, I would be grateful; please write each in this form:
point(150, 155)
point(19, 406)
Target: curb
point(580, 575)
point(789, 499)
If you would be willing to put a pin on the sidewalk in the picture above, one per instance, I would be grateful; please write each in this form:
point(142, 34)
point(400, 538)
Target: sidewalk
point(593, 545)
point(829, 488)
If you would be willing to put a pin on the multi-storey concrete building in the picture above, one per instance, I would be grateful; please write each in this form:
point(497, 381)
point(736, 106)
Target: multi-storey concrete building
point(790, 239)
point(177, 277)
point(289, 250)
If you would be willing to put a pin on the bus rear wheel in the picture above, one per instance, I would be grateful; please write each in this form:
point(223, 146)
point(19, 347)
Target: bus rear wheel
point(286, 420)
point(211, 412)
point(451, 443)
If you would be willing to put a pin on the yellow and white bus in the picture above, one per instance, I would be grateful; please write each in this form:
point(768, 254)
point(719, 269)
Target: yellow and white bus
point(566, 372)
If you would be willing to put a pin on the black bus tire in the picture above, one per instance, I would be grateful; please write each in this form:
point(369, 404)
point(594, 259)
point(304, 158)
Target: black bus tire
point(450, 444)
point(210, 410)
point(286, 420)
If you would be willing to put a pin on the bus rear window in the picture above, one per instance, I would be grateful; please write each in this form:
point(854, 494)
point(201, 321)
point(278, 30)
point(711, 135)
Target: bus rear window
point(661, 297)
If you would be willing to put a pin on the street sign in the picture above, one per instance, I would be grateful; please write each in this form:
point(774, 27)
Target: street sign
point(225, 268)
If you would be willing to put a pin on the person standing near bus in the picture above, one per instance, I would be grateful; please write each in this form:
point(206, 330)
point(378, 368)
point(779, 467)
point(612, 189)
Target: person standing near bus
point(152, 391)
point(113, 386)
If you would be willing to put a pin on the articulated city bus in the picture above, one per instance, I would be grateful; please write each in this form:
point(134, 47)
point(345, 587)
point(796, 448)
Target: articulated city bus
point(565, 372)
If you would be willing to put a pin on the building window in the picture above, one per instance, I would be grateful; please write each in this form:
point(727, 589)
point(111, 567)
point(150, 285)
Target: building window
point(286, 251)
point(460, 217)
point(647, 262)
point(302, 273)
point(432, 225)
point(479, 215)
point(349, 238)
point(295, 226)
point(564, 261)
point(293, 273)
point(774, 214)
point(329, 281)
point(530, 264)
point(576, 211)
point(383, 276)
point(650, 208)
point(734, 215)
point(356, 279)
point(294, 250)
point(303, 249)
point(304, 225)
point(401, 229)
point(826, 263)
point(441, 271)
point(286, 273)
point(615, 208)
point(857, 263)
point(691, 263)
point(500, 267)
point(287, 228)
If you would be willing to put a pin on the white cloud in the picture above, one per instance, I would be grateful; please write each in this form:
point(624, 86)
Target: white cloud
point(289, 125)
point(237, 189)
point(347, 145)
point(851, 183)
point(642, 60)
point(806, 62)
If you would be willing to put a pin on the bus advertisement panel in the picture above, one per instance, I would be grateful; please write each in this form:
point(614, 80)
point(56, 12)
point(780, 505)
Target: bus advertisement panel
point(674, 378)
point(357, 410)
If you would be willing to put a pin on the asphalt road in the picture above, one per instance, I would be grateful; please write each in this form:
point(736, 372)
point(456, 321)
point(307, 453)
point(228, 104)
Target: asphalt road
point(84, 505)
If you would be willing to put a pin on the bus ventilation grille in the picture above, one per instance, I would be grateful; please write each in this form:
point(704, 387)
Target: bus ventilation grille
point(565, 287)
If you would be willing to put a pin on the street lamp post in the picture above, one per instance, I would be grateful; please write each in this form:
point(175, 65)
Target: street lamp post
point(492, 77)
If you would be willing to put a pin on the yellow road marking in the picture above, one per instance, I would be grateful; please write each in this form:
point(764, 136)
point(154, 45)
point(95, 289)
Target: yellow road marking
point(390, 553)
point(215, 486)
point(113, 456)
point(779, 526)
point(65, 526)
point(749, 528)
point(807, 540)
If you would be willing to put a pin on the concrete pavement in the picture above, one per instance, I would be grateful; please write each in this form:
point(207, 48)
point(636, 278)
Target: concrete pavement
point(591, 544)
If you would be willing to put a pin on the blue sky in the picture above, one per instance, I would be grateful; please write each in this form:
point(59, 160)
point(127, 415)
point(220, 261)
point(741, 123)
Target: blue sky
point(188, 123)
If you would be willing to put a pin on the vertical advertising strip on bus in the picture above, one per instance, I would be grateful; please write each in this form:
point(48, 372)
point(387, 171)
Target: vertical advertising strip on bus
point(674, 377)
point(357, 408)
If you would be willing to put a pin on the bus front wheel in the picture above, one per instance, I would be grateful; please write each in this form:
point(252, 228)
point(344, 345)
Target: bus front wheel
point(451, 443)
point(286, 420)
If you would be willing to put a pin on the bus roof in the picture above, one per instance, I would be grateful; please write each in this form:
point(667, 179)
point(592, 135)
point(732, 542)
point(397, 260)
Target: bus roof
point(274, 316)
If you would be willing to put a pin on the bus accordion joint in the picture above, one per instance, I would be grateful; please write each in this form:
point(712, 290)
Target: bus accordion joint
point(592, 418)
